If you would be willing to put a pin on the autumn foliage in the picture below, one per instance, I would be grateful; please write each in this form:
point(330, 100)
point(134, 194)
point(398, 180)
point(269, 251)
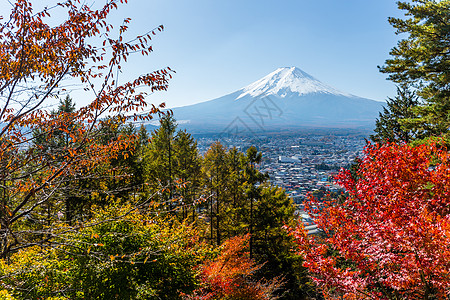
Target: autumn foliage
point(231, 275)
point(389, 238)
point(38, 63)
point(119, 254)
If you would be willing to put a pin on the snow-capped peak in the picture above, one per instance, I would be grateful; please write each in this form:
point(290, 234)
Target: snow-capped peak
point(287, 81)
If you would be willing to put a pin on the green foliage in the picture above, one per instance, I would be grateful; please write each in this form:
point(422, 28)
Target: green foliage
point(171, 168)
point(119, 251)
point(159, 159)
point(120, 254)
point(274, 248)
point(187, 167)
point(421, 60)
point(66, 106)
point(56, 138)
point(248, 204)
point(216, 173)
point(125, 169)
point(91, 207)
point(388, 127)
point(119, 242)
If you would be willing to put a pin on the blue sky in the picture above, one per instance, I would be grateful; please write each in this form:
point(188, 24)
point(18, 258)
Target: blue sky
point(217, 47)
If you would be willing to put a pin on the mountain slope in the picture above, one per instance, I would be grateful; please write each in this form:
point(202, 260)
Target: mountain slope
point(285, 98)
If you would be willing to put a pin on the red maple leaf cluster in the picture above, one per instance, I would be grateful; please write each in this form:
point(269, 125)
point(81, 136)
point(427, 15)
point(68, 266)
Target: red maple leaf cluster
point(389, 237)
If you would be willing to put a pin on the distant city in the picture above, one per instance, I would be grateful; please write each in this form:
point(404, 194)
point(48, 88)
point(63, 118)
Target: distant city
point(303, 162)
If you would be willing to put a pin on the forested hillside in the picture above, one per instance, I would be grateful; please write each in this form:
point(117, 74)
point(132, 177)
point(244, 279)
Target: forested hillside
point(93, 206)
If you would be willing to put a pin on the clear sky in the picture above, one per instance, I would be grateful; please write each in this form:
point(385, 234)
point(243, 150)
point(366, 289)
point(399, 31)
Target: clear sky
point(217, 47)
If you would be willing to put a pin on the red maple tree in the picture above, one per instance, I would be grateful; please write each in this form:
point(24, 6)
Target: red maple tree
point(389, 237)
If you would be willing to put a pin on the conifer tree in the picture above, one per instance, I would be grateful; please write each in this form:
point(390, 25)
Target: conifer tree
point(244, 202)
point(389, 126)
point(234, 223)
point(159, 160)
point(57, 140)
point(187, 170)
point(143, 140)
point(422, 61)
point(253, 187)
point(216, 173)
point(266, 210)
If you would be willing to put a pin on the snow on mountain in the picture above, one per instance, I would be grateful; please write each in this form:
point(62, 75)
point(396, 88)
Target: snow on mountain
point(288, 82)
point(285, 98)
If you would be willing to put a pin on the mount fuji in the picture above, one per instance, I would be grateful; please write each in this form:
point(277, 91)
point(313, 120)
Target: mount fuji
point(287, 98)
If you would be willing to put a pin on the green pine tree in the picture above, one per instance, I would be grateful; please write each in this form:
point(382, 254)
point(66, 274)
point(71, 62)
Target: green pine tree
point(216, 173)
point(187, 167)
point(422, 61)
point(389, 126)
point(55, 143)
point(159, 161)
